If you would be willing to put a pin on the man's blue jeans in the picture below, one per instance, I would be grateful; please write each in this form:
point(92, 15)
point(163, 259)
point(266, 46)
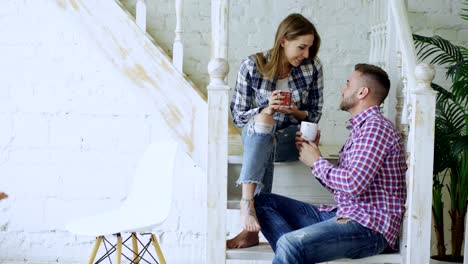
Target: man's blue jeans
point(261, 150)
point(299, 233)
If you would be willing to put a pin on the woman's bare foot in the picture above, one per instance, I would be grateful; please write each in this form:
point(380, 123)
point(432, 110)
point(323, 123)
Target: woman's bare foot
point(249, 216)
point(243, 240)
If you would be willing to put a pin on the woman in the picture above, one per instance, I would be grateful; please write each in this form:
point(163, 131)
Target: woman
point(269, 127)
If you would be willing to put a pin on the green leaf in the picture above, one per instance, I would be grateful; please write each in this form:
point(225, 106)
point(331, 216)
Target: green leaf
point(440, 49)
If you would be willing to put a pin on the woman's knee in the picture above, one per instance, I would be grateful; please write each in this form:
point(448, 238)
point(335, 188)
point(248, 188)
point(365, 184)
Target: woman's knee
point(264, 124)
point(264, 118)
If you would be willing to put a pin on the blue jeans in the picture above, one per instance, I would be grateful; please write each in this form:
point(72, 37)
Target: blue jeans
point(261, 150)
point(299, 233)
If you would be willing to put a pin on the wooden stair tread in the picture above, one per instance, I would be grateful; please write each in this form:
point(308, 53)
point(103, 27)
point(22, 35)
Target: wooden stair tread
point(328, 151)
point(263, 252)
point(234, 203)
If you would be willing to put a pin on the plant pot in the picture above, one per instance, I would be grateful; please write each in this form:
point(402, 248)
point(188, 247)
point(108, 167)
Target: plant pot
point(434, 261)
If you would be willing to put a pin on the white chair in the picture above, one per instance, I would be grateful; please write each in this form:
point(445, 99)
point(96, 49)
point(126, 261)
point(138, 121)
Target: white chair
point(147, 205)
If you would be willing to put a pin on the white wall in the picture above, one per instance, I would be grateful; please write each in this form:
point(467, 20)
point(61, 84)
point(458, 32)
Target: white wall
point(72, 127)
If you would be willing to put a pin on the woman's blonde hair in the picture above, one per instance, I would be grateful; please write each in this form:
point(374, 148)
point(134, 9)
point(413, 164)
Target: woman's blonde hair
point(292, 27)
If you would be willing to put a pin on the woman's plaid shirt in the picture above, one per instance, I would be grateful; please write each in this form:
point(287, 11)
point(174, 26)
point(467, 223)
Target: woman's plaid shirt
point(368, 183)
point(253, 91)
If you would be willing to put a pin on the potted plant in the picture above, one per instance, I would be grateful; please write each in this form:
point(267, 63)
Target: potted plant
point(451, 139)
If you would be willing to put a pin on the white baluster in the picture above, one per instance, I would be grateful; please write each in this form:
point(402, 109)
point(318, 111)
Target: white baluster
point(373, 35)
point(218, 103)
point(141, 14)
point(381, 45)
point(421, 140)
point(372, 45)
point(178, 47)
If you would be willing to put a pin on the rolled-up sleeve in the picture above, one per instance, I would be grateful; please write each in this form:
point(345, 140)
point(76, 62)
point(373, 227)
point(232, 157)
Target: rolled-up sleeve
point(366, 158)
point(241, 103)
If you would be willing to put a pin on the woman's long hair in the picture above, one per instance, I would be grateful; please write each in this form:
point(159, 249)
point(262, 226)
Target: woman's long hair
point(292, 27)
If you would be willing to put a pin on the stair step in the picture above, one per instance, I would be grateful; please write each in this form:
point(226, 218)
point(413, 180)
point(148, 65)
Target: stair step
point(291, 179)
point(235, 203)
point(263, 252)
point(329, 152)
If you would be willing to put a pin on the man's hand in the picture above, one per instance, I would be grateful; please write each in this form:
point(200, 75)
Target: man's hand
point(308, 150)
point(299, 138)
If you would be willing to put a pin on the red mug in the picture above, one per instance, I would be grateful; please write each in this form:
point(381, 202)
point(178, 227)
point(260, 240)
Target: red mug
point(286, 98)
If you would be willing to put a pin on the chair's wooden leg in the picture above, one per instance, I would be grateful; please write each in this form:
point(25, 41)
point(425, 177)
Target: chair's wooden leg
point(119, 249)
point(158, 249)
point(136, 260)
point(95, 249)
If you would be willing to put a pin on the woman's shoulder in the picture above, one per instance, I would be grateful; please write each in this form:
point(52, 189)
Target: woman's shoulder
point(250, 63)
point(252, 59)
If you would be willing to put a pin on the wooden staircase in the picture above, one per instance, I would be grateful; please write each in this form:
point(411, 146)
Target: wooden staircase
point(202, 124)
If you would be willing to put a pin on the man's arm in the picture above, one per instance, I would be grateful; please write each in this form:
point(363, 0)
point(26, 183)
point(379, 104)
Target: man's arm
point(364, 161)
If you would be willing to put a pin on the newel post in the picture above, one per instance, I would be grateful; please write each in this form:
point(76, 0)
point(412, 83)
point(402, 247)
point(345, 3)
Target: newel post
point(218, 104)
point(421, 149)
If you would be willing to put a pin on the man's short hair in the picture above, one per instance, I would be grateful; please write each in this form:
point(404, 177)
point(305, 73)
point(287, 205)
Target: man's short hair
point(376, 79)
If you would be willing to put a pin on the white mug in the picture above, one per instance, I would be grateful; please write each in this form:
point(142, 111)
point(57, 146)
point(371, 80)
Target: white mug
point(309, 130)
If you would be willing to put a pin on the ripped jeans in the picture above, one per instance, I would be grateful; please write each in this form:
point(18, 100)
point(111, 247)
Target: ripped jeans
point(299, 233)
point(261, 148)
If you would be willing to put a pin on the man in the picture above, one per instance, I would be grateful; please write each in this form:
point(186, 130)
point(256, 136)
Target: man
point(368, 185)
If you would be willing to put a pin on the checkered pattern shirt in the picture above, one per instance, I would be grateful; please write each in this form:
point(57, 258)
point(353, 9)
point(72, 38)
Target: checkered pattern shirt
point(253, 91)
point(368, 183)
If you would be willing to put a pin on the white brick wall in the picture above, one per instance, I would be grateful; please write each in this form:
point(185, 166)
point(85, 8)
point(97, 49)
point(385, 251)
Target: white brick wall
point(72, 127)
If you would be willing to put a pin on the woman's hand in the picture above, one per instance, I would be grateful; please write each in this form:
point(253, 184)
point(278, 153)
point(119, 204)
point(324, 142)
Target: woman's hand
point(276, 100)
point(289, 110)
point(274, 103)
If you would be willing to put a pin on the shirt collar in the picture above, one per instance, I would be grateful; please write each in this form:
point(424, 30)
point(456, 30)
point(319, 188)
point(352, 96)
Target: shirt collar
point(361, 117)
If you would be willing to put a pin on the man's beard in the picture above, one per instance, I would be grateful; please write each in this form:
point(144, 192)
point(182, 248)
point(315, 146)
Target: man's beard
point(348, 102)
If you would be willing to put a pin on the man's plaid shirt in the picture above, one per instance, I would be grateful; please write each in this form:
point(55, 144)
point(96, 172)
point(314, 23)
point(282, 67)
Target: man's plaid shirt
point(368, 183)
point(253, 91)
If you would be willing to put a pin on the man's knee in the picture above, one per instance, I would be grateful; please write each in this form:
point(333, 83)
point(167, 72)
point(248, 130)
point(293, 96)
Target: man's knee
point(288, 245)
